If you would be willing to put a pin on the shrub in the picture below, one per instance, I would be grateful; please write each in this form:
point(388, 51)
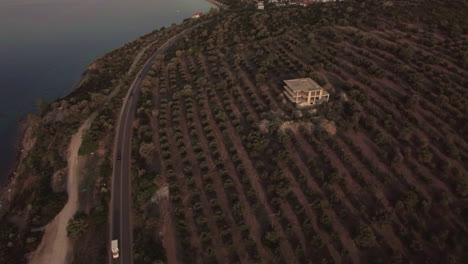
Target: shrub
point(146, 149)
point(366, 238)
point(78, 225)
point(88, 144)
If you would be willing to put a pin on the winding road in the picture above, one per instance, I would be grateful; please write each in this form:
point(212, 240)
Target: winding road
point(120, 214)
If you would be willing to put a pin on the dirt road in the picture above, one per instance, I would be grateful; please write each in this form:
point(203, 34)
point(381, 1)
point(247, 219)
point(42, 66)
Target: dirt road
point(55, 246)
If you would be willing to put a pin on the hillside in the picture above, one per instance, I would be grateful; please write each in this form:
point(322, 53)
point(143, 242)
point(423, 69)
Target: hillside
point(227, 170)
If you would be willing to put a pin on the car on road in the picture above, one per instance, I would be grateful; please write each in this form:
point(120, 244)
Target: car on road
point(119, 156)
point(115, 248)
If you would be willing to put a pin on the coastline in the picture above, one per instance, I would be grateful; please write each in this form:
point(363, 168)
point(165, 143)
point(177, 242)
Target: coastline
point(7, 187)
point(81, 80)
point(218, 4)
point(10, 173)
point(84, 75)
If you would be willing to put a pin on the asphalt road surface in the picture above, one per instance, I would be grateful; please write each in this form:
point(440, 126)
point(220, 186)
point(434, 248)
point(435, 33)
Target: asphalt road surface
point(120, 217)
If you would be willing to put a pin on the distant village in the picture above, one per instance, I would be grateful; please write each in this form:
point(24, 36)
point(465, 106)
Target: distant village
point(280, 3)
point(260, 4)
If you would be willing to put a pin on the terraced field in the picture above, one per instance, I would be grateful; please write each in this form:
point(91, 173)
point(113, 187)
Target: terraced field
point(229, 171)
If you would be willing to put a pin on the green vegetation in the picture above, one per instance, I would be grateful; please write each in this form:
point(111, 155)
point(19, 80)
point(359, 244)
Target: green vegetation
point(148, 246)
point(366, 238)
point(376, 174)
point(89, 143)
point(78, 225)
point(229, 171)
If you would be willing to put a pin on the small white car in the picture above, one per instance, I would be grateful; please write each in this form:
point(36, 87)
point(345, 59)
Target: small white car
point(115, 248)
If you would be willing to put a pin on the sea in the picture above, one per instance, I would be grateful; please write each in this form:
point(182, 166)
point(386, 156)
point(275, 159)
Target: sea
point(45, 45)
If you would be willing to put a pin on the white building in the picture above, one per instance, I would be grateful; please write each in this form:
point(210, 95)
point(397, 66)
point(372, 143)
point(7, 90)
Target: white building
point(305, 92)
point(260, 5)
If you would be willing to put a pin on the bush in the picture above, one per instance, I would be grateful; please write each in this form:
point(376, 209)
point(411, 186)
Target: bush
point(89, 144)
point(146, 149)
point(99, 215)
point(366, 238)
point(78, 225)
point(257, 142)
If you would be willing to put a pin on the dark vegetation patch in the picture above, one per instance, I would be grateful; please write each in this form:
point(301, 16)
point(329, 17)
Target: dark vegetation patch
point(389, 186)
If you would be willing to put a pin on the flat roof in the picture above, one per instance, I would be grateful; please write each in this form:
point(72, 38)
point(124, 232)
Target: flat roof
point(304, 84)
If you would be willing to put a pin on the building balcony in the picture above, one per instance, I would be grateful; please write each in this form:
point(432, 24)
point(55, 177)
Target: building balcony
point(297, 100)
point(289, 97)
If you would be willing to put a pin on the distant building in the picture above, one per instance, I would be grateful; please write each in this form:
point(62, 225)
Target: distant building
point(305, 92)
point(197, 15)
point(260, 5)
point(306, 3)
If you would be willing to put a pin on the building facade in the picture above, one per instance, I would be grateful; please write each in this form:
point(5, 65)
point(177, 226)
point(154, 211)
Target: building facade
point(260, 5)
point(305, 92)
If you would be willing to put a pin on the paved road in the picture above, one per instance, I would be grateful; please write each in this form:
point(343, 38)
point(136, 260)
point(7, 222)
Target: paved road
point(120, 214)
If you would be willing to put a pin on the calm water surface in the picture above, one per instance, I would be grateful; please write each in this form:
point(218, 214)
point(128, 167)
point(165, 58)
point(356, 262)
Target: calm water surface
point(46, 44)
